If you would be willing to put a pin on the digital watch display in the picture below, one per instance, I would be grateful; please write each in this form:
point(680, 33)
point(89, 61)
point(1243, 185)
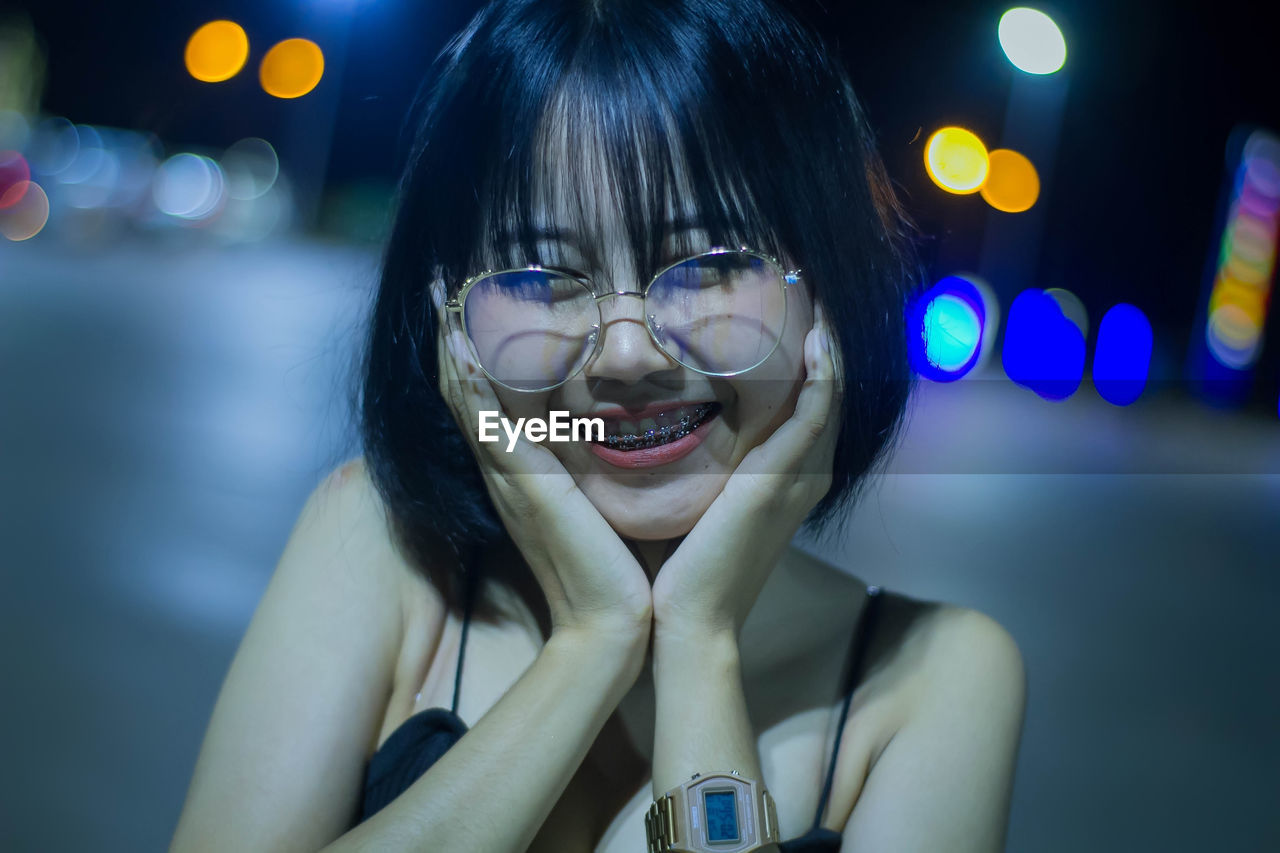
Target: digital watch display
point(721, 809)
point(713, 813)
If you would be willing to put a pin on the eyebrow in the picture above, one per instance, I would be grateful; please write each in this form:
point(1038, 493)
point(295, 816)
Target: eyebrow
point(677, 225)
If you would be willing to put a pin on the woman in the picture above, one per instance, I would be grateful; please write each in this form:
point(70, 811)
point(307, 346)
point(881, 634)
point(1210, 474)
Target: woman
point(670, 216)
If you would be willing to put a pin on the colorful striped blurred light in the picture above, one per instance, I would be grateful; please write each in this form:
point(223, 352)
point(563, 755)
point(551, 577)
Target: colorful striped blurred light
point(1241, 290)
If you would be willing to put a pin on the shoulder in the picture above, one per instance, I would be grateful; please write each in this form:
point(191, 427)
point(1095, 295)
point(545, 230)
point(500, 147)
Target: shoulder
point(340, 559)
point(967, 644)
point(956, 687)
point(347, 506)
point(960, 685)
point(325, 635)
point(344, 545)
point(949, 660)
point(346, 516)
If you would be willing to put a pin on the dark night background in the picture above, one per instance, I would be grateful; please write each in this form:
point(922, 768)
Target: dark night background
point(169, 402)
point(1154, 90)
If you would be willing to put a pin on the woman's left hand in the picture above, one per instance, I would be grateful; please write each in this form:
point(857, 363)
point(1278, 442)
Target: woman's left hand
point(711, 581)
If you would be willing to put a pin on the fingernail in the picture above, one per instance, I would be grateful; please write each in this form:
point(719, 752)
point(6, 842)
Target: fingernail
point(437, 294)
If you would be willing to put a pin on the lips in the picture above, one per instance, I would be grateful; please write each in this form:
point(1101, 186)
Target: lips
point(655, 425)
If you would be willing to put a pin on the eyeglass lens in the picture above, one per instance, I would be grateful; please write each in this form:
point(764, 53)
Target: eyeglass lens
point(719, 314)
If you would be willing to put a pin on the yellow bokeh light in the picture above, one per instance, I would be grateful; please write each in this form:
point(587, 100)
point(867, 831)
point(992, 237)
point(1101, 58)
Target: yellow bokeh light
point(292, 68)
point(217, 51)
point(956, 160)
point(1012, 184)
point(1250, 300)
point(24, 219)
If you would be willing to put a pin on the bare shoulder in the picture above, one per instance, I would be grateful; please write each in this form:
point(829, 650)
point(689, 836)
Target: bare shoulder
point(302, 703)
point(967, 644)
point(958, 688)
point(946, 658)
point(358, 521)
point(920, 654)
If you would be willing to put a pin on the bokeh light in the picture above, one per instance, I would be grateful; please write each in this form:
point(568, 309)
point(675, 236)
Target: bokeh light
point(1012, 184)
point(1234, 336)
point(1236, 312)
point(54, 144)
point(88, 157)
point(945, 329)
point(1043, 349)
point(1032, 41)
point(15, 174)
point(1071, 307)
point(251, 166)
point(292, 68)
point(1122, 354)
point(26, 217)
point(189, 186)
point(217, 51)
point(254, 219)
point(134, 158)
point(956, 160)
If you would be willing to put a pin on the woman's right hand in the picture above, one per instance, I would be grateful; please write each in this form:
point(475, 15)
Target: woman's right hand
point(589, 576)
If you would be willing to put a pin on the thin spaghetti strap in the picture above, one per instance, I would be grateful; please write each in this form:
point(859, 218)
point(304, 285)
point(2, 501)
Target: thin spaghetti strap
point(858, 655)
point(472, 583)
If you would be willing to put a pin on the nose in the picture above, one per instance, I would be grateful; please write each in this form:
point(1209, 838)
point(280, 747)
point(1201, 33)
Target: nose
point(626, 353)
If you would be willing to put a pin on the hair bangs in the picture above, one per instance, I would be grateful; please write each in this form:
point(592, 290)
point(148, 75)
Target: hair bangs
point(625, 148)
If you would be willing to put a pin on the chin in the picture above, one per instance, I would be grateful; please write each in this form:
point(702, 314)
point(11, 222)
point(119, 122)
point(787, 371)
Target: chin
point(666, 511)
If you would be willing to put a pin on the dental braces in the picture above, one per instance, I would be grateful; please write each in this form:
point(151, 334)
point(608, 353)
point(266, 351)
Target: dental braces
point(659, 435)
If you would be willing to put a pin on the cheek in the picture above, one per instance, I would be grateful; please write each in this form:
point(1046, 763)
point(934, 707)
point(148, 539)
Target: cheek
point(766, 396)
point(517, 404)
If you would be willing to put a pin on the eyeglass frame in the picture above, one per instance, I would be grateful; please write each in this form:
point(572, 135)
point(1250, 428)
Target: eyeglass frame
point(457, 304)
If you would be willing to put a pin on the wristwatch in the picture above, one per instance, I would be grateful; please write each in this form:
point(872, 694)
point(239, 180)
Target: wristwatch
point(713, 813)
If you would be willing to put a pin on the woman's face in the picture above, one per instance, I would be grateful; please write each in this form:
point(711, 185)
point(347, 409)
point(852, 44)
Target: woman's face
point(660, 493)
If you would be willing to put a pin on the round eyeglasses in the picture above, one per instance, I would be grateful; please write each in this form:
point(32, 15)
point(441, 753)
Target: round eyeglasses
point(720, 313)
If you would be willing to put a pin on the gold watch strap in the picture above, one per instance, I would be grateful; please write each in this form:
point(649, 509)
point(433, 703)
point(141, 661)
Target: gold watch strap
point(665, 818)
point(660, 825)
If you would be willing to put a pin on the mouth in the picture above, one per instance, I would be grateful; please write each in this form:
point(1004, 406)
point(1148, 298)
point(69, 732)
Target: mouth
point(657, 427)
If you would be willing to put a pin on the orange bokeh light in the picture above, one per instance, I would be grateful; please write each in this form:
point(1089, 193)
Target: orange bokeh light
point(292, 68)
point(217, 51)
point(1012, 183)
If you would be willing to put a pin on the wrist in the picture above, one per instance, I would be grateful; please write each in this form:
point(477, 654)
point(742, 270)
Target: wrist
point(677, 633)
point(624, 638)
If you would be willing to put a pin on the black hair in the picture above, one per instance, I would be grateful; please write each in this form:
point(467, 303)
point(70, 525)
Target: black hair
point(735, 105)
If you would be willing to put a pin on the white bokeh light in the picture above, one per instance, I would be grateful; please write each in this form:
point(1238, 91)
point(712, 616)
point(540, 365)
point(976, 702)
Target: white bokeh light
point(188, 186)
point(1032, 41)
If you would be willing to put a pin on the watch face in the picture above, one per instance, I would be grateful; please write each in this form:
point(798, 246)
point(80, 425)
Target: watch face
point(721, 809)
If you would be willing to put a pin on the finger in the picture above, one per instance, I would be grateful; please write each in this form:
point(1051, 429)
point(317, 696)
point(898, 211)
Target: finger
point(450, 384)
point(792, 444)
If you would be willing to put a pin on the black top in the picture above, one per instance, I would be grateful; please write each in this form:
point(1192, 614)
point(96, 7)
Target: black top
point(427, 735)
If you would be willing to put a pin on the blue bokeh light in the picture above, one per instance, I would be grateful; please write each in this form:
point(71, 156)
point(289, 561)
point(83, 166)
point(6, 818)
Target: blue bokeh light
point(945, 327)
point(1122, 354)
point(1043, 350)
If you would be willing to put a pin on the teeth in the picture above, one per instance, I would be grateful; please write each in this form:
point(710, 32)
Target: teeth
point(662, 429)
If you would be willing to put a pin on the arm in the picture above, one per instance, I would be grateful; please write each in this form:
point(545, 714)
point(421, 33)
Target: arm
point(283, 759)
point(701, 721)
point(945, 778)
point(494, 789)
